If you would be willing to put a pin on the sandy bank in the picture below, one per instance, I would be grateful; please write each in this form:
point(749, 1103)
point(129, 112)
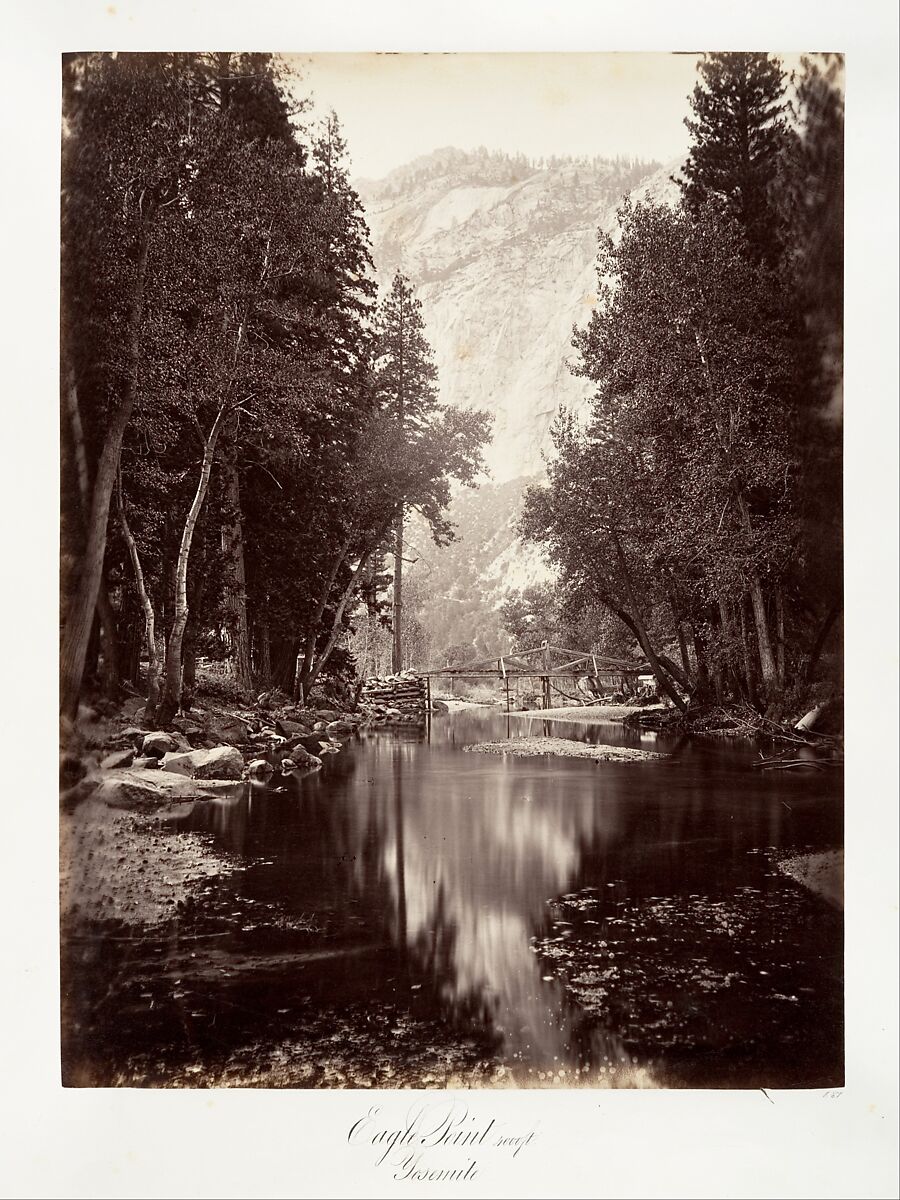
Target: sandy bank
point(128, 867)
point(561, 748)
point(821, 873)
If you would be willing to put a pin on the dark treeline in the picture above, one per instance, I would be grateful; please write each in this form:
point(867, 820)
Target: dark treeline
point(699, 504)
point(244, 425)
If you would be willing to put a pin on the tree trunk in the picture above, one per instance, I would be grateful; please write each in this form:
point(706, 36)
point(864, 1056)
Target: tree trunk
point(703, 685)
point(639, 629)
point(80, 616)
point(147, 608)
point(309, 678)
point(263, 654)
point(682, 640)
point(171, 700)
point(305, 663)
point(108, 632)
point(397, 650)
point(189, 665)
point(766, 656)
point(749, 673)
point(779, 635)
point(235, 574)
point(727, 642)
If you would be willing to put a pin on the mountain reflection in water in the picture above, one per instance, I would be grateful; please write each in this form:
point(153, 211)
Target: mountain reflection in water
point(580, 918)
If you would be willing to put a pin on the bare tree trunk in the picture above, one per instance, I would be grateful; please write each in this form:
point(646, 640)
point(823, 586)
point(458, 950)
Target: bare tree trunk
point(80, 616)
point(236, 587)
point(171, 700)
point(147, 607)
point(397, 651)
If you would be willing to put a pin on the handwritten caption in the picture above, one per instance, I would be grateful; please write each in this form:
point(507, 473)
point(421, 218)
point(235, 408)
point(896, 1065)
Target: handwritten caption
point(437, 1142)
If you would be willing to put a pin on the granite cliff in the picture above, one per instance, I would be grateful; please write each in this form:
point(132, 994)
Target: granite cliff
point(501, 251)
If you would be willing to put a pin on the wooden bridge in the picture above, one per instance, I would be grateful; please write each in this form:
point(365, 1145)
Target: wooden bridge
point(538, 664)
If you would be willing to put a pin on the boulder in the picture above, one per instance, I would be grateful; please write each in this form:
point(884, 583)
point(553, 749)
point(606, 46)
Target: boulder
point(222, 762)
point(137, 789)
point(439, 706)
point(342, 728)
point(132, 707)
point(259, 769)
point(290, 728)
point(223, 728)
point(327, 714)
point(119, 758)
point(299, 759)
point(319, 727)
point(188, 728)
point(159, 743)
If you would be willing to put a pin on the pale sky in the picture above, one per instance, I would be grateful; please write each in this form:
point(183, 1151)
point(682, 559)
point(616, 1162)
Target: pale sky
point(394, 107)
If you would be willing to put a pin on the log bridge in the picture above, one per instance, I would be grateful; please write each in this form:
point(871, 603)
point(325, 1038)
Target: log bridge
point(538, 664)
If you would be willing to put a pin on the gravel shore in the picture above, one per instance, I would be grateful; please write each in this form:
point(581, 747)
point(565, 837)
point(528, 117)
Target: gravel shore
point(821, 873)
point(561, 748)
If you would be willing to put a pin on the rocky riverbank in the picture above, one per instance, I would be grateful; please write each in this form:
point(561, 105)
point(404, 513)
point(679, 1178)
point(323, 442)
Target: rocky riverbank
point(121, 779)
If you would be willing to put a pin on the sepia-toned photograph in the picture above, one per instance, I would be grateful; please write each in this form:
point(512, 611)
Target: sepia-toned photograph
point(452, 570)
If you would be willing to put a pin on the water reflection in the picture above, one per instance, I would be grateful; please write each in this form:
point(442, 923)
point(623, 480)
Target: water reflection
point(409, 873)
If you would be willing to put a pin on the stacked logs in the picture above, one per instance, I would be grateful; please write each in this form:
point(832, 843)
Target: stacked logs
point(395, 699)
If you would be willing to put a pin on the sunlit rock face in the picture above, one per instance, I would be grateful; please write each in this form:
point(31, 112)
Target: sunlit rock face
point(502, 254)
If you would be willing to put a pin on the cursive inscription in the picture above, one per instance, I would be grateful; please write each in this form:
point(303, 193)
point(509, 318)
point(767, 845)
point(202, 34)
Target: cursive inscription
point(436, 1142)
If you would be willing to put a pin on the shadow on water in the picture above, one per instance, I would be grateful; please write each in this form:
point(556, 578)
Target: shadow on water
point(565, 918)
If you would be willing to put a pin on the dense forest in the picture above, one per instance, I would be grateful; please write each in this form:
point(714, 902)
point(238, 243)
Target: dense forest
point(245, 425)
point(252, 424)
point(699, 504)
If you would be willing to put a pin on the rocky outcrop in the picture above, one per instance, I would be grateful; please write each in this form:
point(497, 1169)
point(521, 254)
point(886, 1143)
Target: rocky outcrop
point(503, 262)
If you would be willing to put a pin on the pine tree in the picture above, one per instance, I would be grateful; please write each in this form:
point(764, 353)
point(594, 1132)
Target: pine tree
point(737, 130)
point(407, 383)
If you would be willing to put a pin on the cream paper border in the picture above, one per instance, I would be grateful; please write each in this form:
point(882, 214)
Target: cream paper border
point(670, 1144)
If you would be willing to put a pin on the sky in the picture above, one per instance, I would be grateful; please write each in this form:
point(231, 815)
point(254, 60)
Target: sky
point(394, 107)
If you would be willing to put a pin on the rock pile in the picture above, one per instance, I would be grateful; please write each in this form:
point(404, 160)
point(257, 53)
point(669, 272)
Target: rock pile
point(395, 699)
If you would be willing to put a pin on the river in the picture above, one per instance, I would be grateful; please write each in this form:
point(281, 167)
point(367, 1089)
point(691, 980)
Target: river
point(546, 921)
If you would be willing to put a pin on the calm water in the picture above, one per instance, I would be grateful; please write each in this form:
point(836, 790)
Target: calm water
point(551, 915)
